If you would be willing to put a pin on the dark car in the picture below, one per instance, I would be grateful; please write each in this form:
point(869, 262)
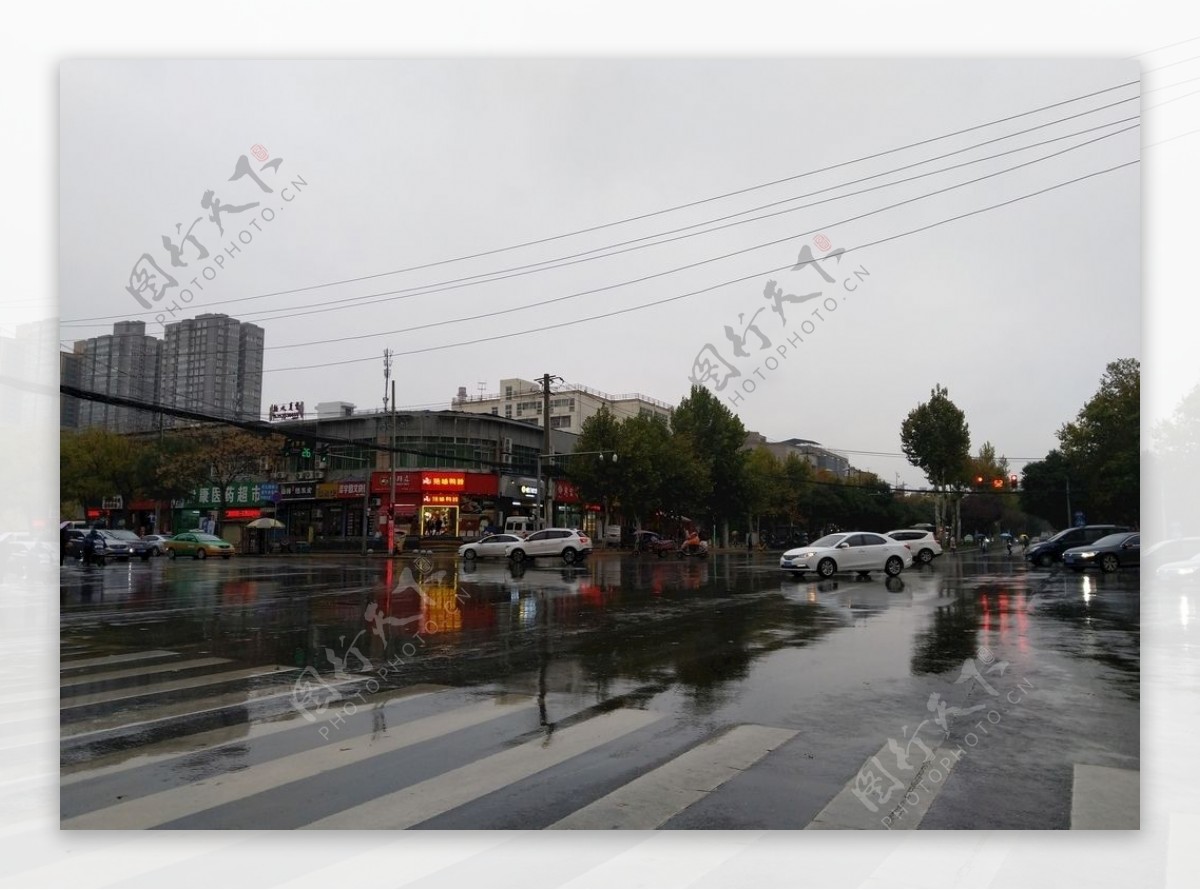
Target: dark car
point(1049, 552)
point(137, 547)
point(105, 545)
point(1110, 553)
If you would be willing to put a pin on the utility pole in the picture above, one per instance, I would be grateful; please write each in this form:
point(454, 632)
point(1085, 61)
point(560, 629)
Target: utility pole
point(544, 484)
point(392, 467)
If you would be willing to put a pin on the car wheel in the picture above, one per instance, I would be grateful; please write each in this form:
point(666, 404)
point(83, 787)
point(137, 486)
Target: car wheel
point(925, 556)
point(894, 566)
point(1109, 562)
point(826, 567)
point(468, 554)
point(157, 551)
point(568, 555)
point(201, 553)
point(517, 556)
point(1045, 560)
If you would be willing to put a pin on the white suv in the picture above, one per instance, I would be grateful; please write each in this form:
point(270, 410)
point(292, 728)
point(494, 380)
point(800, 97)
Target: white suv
point(923, 544)
point(570, 544)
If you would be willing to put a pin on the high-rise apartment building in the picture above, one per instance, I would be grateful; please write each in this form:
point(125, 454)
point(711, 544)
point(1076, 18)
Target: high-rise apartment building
point(124, 363)
point(213, 364)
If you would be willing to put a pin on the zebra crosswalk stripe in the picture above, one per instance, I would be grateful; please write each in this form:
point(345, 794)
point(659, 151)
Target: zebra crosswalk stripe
point(176, 803)
point(418, 803)
point(651, 799)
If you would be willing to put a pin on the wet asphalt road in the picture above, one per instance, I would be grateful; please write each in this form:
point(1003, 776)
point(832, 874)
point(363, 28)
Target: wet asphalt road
point(631, 692)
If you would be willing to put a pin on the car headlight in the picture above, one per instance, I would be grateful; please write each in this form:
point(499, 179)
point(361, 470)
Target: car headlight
point(1086, 554)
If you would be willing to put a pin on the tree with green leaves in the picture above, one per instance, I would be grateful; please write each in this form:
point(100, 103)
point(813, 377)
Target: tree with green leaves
point(223, 456)
point(935, 438)
point(599, 481)
point(95, 464)
point(1044, 489)
point(1102, 445)
point(717, 436)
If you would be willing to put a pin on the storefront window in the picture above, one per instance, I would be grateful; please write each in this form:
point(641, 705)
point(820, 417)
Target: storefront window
point(439, 521)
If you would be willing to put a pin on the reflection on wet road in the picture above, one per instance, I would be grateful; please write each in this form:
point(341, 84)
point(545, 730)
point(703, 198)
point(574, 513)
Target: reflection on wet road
point(307, 691)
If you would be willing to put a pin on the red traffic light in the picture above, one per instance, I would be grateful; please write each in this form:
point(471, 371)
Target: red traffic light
point(997, 483)
point(979, 480)
point(1013, 480)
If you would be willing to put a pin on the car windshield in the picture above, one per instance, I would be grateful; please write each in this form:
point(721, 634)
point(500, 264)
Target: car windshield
point(125, 535)
point(208, 539)
point(1111, 540)
point(828, 541)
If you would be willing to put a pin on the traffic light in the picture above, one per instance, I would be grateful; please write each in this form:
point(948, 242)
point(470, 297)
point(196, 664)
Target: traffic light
point(979, 482)
point(1013, 481)
point(306, 451)
point(997, 483)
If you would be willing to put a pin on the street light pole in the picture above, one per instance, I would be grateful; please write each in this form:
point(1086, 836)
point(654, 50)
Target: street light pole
point(543, 498)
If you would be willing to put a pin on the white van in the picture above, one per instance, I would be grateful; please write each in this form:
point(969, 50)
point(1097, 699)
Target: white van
point(521, 525)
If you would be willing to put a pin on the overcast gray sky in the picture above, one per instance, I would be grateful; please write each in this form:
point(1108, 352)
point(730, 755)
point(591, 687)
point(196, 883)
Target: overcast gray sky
point(1016, 310)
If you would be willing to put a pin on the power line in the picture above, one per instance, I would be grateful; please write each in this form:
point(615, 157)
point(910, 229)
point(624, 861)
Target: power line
point(651, 214)
point(612, 250)
point(552, 300)
point(666, 300)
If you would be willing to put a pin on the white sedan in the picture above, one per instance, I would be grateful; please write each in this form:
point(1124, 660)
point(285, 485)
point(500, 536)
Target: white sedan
point(860, 552)
point(489, 546)
point(923, 545)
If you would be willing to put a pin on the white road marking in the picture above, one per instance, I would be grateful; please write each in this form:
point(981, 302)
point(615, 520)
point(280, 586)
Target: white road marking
point(651, 799)
point(418, 803)
point(1105, 797)
point(889, 807)
point(185, 800)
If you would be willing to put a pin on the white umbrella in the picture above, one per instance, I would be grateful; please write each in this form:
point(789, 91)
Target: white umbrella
point(265, 522)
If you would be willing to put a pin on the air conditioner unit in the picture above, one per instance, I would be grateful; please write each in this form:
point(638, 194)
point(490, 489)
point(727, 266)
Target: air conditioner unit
point(507, 445)
point(506, 459)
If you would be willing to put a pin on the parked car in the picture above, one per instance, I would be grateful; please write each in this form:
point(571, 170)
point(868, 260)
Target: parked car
point(568, 543)
point(861, 552)
point(1109, 553)
point(783, 537)
point(1049, 552)
point(1182, 570)
point(487, 546)
point(104, 545)
point(652, 542)
point(923, 545)
point(157, 544)
point(137, 547)
point(198, 545)
point(1171, 550)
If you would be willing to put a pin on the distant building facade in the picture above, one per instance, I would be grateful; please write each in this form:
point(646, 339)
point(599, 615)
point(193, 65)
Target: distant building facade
point(210, 364)
point(124, 363)
point(570, 404)
point(817, 456)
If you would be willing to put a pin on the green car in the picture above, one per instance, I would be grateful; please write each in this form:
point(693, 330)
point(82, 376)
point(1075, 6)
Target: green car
point(198, 546)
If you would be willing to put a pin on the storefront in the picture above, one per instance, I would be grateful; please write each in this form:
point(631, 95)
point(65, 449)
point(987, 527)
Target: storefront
point(518, 496)
point(570, 511)
point(242, 502)
point(437, 503)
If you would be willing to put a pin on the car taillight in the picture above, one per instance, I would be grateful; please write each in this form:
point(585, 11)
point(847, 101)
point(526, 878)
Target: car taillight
point(583, 539)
